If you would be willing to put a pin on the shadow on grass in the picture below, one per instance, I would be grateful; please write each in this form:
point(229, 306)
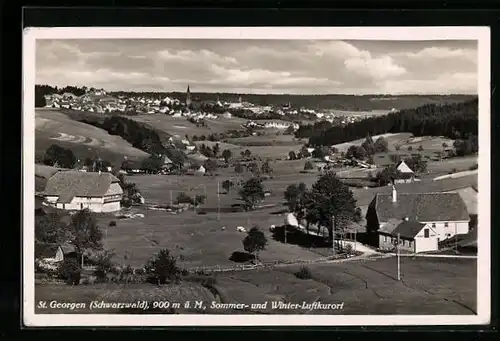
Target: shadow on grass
point(299, 238)
point(241, 257)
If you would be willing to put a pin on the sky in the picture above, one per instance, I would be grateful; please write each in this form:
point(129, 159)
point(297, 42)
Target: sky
point(261, 66)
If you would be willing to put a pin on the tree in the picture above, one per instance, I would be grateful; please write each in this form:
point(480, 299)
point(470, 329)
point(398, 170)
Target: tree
point(466, 147)
point(445, 145)
point(304, 152)
point(253, 168)
point(226, 154)
point(368, 145)
point(162, 268)
point(308, 166)
point(330, 203)
point(210, 165)
point(266, 168)
point(397, 147)
point(50, 229)
point(255, 241)
point(199, 199)
point(410, 148)
point(292, 155)
point(356, 152)
point(183, 198)
point(58, 155)
point(252, 192)
point(416, 163)
point(387, 175)
point(420, 148)
point(216, 149)
point(104, 264)
point(238, 168)
point(70, 271)
point(290, 130)
point(295, 197)
point(85, 233)
point(319, 153)
point(227, 185)
point(152, 164)
point(381, 145)
point(247, 153)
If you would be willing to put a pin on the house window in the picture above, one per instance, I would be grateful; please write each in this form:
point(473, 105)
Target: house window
point(433, 225)
point(445, 224)
point(426, 233)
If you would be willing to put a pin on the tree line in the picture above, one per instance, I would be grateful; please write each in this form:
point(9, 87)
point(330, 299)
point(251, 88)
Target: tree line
point(455, 121)
point(42, 90)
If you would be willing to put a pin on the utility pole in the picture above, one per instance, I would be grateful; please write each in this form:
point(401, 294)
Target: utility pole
point(355, 239)
point(399, 263)
point(218, 202)
point(456, 239)
point(333, 235)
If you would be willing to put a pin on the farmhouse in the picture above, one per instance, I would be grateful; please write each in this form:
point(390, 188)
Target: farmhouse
point(53, 253)
point(413, 236)
point(406, 173)
point(444, 213)
point(73, 190)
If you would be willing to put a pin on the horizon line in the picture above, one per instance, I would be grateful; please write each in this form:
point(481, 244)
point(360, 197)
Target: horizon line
point(269, 93)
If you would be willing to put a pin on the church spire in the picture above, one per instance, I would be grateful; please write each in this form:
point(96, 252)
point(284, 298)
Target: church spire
point(188, 97)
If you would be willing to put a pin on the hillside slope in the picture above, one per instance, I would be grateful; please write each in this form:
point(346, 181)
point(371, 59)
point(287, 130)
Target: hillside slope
point(54, 127)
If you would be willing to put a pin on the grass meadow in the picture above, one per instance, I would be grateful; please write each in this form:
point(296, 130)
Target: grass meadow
point(428, 286)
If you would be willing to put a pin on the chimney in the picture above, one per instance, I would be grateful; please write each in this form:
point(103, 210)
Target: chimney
point(394, 194)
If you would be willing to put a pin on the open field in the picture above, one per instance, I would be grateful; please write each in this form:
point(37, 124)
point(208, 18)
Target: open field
point(392, 140)
point(54, 127)
point(181, 126)
point(428, 286)
point(198, 239)
point(268, 139)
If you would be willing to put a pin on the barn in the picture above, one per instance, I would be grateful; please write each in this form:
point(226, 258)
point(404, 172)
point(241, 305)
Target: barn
point(73, 190)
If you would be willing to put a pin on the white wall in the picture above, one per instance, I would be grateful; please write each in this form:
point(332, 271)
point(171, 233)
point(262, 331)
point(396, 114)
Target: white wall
point(423, 244)
point(445, 232)
point(111, 206)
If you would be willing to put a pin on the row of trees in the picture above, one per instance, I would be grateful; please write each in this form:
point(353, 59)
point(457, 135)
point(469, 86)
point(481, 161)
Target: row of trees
point(456, 121)
point(329, 203)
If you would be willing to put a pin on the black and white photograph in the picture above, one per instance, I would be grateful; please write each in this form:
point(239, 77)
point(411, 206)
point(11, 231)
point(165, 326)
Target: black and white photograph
point(256, 176)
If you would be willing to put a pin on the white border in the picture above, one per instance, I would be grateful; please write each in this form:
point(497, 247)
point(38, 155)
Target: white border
point(480, 34)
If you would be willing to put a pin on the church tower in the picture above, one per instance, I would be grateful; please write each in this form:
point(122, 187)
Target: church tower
point(188, 97)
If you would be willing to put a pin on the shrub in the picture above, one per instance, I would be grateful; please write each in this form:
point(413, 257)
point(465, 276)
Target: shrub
point(348, 249)
point(70, 271)
point(162, 269)
point(303, 273)
point(183, 198)
point(112, 223)
point(473, 167)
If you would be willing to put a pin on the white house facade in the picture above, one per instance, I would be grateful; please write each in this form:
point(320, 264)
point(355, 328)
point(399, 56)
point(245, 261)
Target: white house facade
point(444, 215)
point(70, 190)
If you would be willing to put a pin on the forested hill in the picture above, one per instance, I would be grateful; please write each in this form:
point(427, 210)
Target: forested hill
point(333, 101)
point(456, 121)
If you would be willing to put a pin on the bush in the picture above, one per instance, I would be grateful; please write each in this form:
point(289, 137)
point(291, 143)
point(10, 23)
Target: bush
point(348, 249)
point(304, 273)
point(183, 198)
point(70, 271)
point(112, 223)
point(162, 269)
point(473, 167)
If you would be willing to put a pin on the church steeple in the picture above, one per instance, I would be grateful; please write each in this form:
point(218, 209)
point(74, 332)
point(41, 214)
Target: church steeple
point(188, 97)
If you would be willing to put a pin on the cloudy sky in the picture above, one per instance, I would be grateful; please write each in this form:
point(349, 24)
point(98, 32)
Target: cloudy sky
point(261, 66)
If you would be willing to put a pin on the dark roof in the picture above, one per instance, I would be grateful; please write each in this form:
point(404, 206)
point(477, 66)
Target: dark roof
point(48, 250)
point(69, 184)
point(421, 207)
point(408, 229)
